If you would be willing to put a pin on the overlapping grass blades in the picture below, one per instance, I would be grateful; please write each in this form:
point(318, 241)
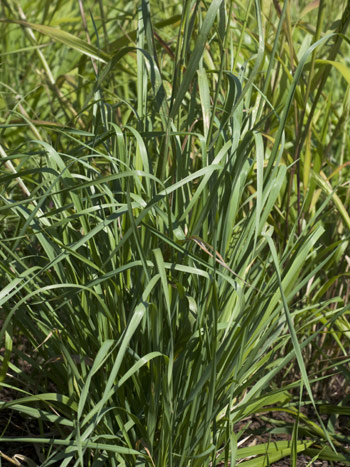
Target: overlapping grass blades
point(173, 240)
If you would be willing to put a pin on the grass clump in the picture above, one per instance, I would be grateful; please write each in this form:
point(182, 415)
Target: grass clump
point(174, 241)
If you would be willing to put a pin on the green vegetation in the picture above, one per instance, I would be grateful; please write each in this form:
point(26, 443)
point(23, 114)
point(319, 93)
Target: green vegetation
point(174, 240)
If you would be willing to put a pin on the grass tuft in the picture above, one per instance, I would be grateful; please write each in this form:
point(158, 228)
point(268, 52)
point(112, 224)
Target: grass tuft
point(174, 235)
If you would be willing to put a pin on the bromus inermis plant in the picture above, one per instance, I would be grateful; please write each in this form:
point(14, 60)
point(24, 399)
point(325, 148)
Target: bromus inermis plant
point(174, 242)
